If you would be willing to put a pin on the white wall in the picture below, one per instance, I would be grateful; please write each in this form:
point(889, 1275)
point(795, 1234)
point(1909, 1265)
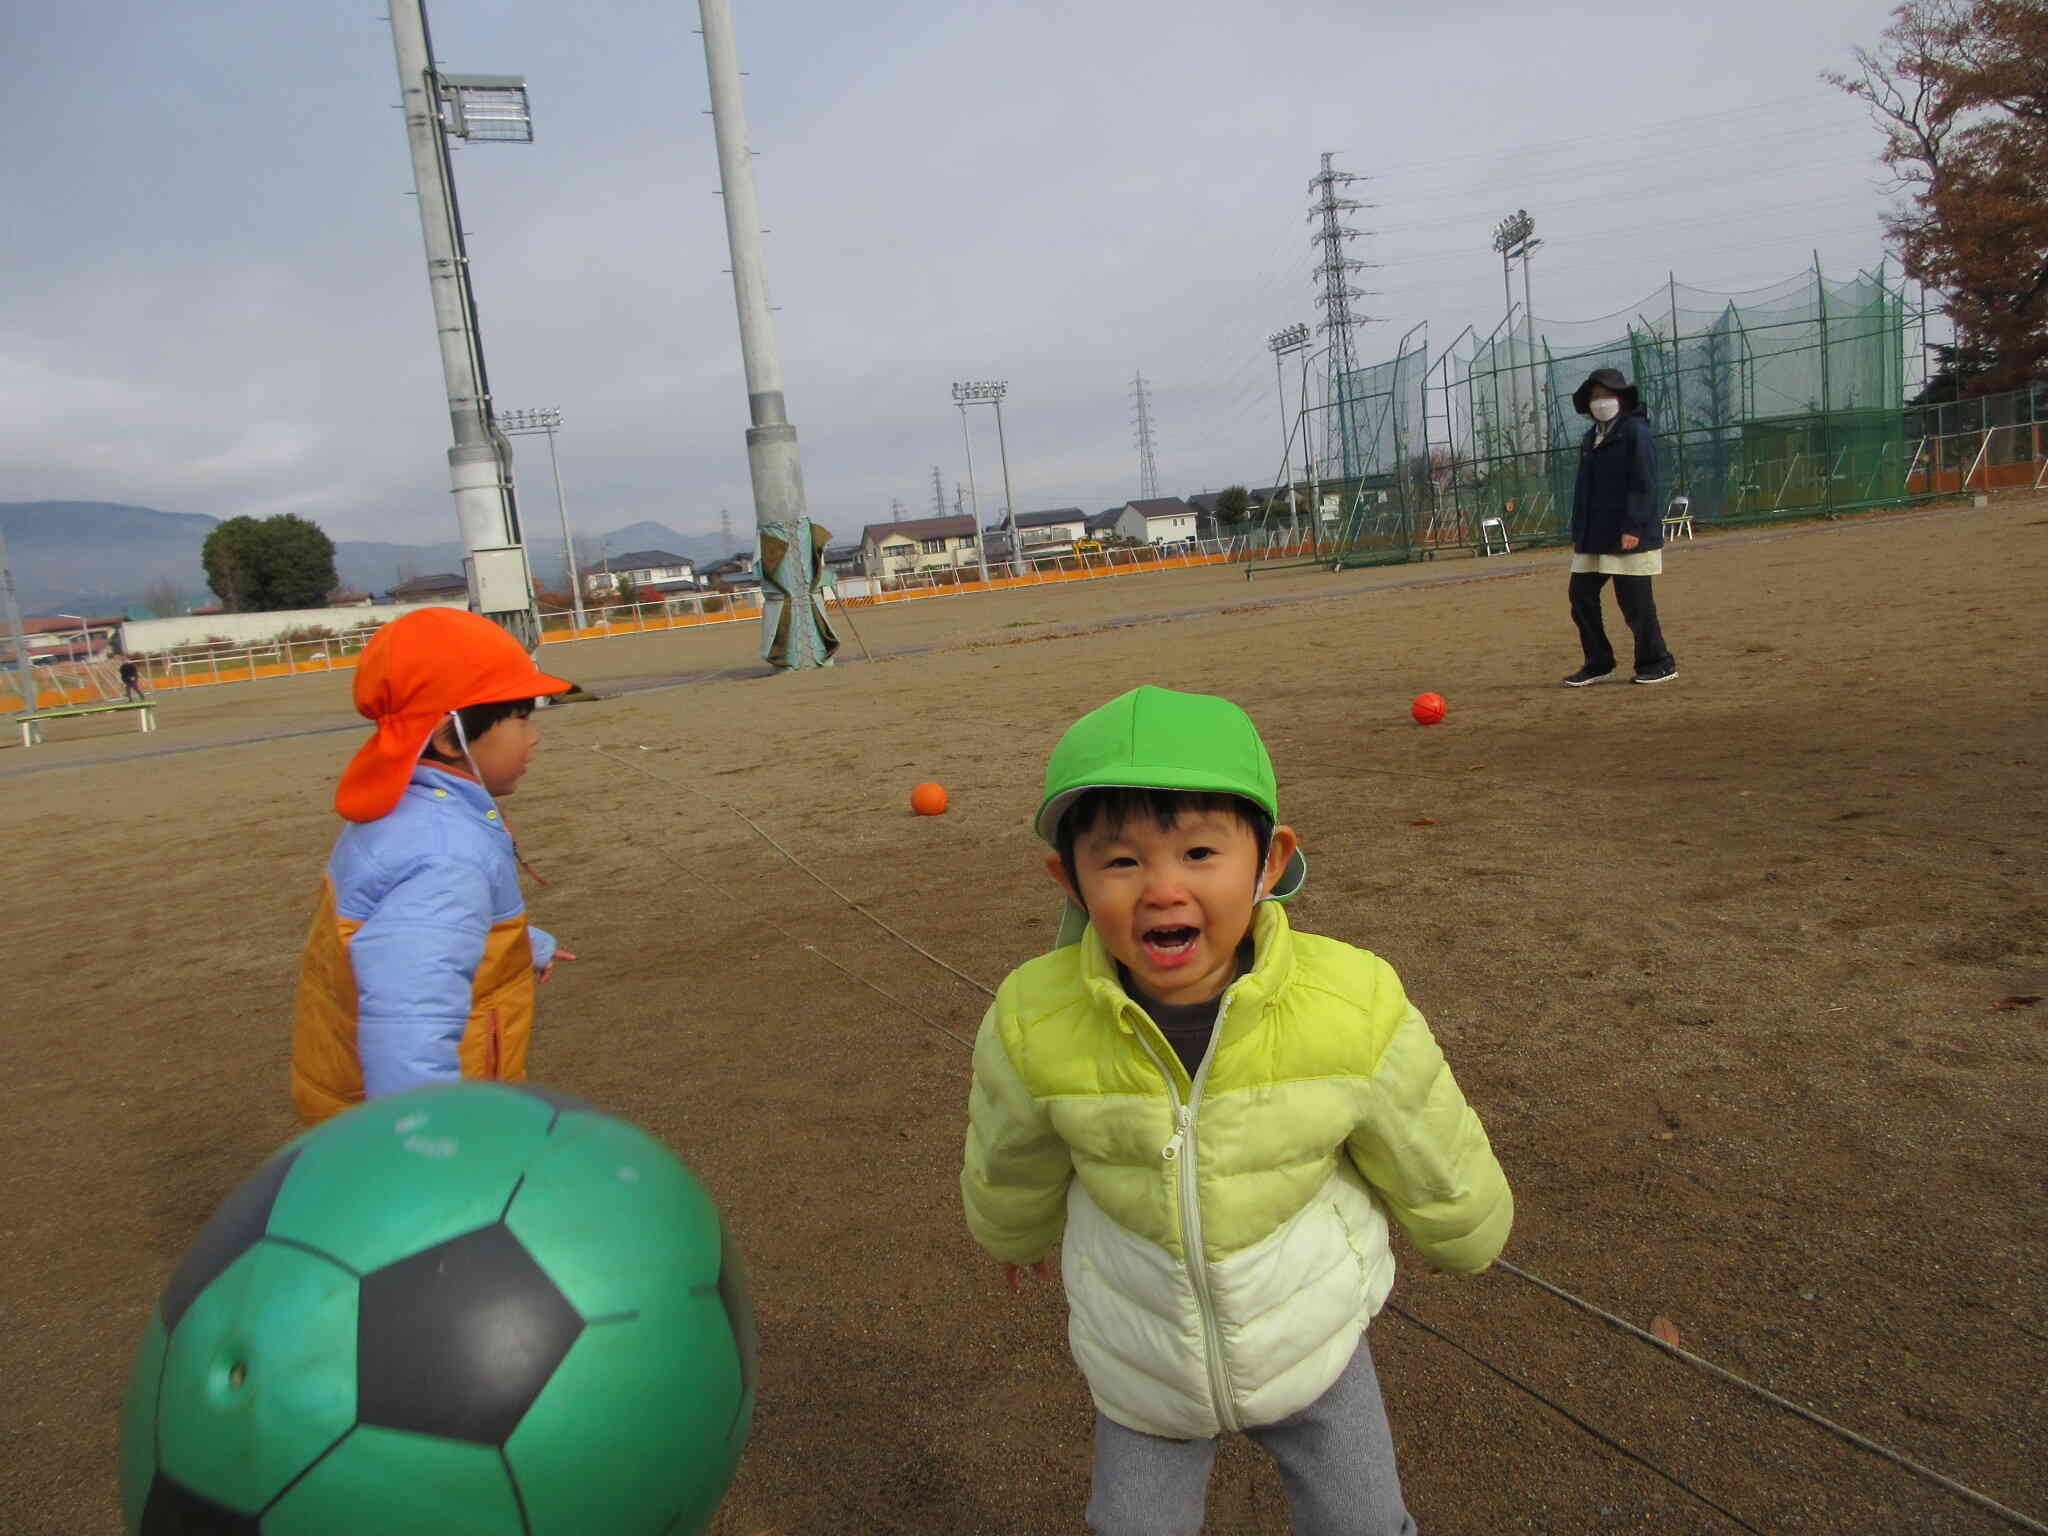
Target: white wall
point(1162, 530)
point(140, 636)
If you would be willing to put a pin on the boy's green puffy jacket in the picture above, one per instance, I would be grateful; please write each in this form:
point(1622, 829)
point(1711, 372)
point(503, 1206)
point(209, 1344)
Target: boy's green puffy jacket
point(1226, 1239)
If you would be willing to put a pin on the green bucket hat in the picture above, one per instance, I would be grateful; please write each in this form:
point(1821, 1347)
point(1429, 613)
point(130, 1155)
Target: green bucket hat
point(1155, 738)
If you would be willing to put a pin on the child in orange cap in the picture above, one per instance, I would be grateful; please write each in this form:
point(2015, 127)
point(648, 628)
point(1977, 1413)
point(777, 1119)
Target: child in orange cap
point(421, 966)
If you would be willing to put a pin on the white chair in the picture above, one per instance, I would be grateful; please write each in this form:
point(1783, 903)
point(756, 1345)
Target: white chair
point(1488, 527)
point(1678, 518)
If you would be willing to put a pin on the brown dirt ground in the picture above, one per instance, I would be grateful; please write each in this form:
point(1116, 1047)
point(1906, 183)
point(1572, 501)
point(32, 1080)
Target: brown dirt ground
point(1717, 962)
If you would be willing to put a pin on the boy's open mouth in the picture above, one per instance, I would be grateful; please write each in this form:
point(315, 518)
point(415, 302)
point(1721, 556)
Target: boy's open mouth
point(1170, 945)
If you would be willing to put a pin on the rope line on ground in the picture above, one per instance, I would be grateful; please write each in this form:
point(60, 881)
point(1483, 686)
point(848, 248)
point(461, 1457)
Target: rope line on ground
point(1861, 1442)
point(1850, 1436)
point(760, 832)
point(1563, 1412)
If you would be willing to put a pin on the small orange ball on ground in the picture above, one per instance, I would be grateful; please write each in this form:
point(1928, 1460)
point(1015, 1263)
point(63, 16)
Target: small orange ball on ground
point(1428, 708)
point(929, 799)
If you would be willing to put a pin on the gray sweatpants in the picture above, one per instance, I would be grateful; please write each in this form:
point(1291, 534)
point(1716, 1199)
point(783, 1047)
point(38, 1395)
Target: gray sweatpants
point(1336, 1458)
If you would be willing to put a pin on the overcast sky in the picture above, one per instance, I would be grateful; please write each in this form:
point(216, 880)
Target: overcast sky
point(215, 296)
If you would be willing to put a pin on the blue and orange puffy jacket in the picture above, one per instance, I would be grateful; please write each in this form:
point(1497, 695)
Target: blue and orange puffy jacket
point(420, 964)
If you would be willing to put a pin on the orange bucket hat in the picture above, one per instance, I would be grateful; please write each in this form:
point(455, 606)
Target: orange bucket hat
point(414, 671)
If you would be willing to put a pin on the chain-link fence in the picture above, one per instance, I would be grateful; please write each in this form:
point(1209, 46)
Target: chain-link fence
point(1771, 404)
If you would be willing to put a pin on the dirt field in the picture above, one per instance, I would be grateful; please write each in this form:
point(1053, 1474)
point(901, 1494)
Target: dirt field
point(1718, 962)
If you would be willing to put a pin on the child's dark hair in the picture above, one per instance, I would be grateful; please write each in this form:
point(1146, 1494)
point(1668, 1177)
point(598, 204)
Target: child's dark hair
point(1115, 806)
point(476, 719)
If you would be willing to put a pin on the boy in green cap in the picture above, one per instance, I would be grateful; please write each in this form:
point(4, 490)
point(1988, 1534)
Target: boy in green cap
point(1218, 1116)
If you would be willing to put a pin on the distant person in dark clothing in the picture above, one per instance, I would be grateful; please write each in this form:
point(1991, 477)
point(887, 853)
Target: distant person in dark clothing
point(1617, 529)
point(131, 680)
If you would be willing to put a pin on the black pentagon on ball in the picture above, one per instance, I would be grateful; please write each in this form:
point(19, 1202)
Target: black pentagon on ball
point(458, 1339)
point(235, 1228)
point(175, 1510)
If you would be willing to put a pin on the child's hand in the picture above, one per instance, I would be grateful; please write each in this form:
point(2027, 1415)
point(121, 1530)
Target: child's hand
point(1014, 1272)
point(559, 956)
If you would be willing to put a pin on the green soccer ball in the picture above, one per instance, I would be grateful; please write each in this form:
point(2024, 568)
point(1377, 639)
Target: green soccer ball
point(472, 1310)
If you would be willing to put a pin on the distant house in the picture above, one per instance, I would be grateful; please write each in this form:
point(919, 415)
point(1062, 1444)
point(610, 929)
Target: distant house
point(735, 573)
point(65, 638)
point(444, 587)
point(1166, 519)
point(1043, 533)
point(1117, 523)
point(655, 570)
point(919, 544)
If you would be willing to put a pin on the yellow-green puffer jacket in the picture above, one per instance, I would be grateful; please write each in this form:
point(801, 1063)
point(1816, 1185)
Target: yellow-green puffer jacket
point(1226, 1239)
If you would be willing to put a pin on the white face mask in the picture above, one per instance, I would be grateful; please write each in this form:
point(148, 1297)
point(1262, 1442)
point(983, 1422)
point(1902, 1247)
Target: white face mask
point(1604, 410)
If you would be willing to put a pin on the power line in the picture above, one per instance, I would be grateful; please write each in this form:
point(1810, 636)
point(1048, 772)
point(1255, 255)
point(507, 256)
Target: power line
point(1586, 236)
point(1637, 131)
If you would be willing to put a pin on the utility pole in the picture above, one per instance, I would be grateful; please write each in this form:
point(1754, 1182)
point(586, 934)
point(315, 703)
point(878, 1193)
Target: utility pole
point(938, 494)
point(772, 459)
point(1334, 272)
point(1148, 468)
point(484, 108)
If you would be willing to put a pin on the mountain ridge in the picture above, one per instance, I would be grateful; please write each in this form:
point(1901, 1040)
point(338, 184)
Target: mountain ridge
point(97, 556)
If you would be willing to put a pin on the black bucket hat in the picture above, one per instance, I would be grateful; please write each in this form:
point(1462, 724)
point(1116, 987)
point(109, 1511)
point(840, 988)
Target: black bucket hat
point(1615, 380)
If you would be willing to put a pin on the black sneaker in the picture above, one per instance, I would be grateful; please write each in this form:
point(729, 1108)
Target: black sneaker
point(1662, 673)
point(1586, 675)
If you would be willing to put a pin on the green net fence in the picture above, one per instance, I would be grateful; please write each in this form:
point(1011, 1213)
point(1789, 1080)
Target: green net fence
point(1771, 404)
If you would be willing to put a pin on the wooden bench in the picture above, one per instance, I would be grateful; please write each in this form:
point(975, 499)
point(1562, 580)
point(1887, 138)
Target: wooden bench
point(32, 723)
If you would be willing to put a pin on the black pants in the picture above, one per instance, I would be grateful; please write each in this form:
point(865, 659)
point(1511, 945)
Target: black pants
point(1638, 607)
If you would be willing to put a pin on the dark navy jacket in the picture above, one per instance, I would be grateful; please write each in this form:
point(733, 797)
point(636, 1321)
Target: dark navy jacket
point(1617, 489)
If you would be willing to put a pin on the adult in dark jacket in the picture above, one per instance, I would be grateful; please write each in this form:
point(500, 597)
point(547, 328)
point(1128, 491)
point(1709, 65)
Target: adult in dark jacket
point(1617, 529)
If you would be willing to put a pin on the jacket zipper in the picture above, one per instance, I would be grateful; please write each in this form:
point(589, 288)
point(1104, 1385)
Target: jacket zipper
point(1180, 1150)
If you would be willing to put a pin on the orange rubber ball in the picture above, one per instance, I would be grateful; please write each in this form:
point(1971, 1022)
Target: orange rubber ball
point(929, 799)
point(1428, 708)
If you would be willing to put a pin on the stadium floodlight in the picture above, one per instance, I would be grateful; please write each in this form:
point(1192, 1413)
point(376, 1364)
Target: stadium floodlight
point(440, 109)
point(491, 109)
point(549, 420)
point(1515, 238)
point(1283, 342)
point(991, 392)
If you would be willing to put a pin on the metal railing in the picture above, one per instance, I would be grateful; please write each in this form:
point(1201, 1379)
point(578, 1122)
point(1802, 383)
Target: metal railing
point(220, 662)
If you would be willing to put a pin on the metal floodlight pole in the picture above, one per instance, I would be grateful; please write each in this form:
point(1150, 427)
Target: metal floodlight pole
point(991, 392)
point(973, 500)
point(772, 459)
point(10, 610)
point(1009, 505)
point(1283, 342)
point(516, 423)
point(482, 107)
point(1514, 237)
point(1536, 391)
